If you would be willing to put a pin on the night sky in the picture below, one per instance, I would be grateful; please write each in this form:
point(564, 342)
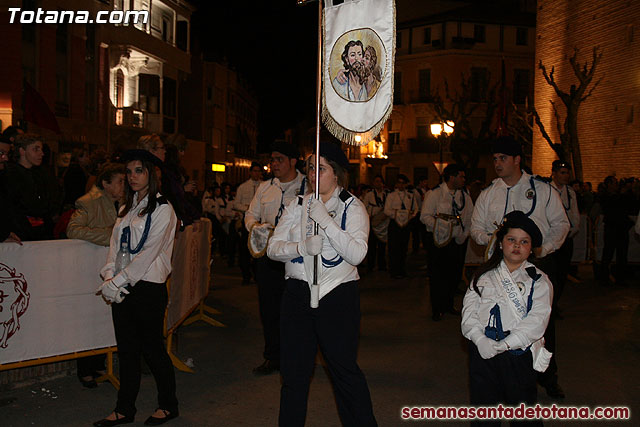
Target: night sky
point(273, 45)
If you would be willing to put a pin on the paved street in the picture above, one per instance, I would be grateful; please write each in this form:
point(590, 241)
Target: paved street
point(407, 358)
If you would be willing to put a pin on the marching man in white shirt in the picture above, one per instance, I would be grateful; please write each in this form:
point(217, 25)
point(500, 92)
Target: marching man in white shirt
point(374, 202)
point(265, 211)
point(515, 189)
point(446, 212)
point(560, 176)
point(241, 203)
point(401, 207)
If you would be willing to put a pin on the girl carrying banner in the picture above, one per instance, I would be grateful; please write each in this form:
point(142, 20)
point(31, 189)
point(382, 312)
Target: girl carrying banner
point(341, 244)
point(504, 316)
point(135, 275)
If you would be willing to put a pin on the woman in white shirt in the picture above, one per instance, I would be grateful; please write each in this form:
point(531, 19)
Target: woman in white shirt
point(136, 289)
point(504, 316)
point(341, 244)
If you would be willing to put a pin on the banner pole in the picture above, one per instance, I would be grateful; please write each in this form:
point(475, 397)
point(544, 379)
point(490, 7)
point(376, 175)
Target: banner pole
point(315, 291)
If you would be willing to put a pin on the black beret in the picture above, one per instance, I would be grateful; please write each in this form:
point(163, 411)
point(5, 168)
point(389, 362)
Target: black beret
point(283, 147)
point(138, 154)
point(518, 219)
point(506, 145)
point(333, 152)
point(559, 164)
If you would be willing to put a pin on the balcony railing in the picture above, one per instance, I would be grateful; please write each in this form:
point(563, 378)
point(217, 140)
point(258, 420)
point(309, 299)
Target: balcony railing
point(129, 117)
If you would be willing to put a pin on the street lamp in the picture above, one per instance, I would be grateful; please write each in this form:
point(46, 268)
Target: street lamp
point(437, 128)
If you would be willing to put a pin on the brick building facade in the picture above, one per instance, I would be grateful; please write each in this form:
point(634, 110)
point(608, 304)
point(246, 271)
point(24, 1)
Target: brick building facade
point(608, 122)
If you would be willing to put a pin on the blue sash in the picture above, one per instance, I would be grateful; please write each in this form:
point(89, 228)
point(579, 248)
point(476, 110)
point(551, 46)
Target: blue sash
point(494, 329)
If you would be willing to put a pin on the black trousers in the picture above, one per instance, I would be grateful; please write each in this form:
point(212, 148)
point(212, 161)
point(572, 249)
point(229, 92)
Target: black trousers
point(398, 247)
point(505, 378)
point(138, 322)
point(244, 257)
point(232, 243)
point(563, 264)
point(447, 272)
point(418, 233)
point(550, 376)
point(616, 239)
point(270, 278)
point(334, 326)
point(377, 252)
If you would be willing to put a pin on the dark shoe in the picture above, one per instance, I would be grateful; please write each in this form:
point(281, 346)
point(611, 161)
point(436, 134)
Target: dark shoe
point(267, 367)
point(436, 317)
point(88, 382)
point(120, 419)
point(156, 421)
point(555, 391)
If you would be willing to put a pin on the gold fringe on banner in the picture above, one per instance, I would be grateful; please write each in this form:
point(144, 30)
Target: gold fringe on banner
point(353, 137)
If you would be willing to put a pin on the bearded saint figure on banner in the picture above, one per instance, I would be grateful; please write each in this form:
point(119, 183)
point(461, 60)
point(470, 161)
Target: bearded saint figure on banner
point(361, 76)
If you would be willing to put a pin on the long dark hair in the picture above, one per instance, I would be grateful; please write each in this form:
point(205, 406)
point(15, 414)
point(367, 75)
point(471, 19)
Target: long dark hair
point(492, 262)
point(154, 187)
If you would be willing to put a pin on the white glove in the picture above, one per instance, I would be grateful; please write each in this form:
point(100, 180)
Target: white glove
point(501, 346)
point(311, 246)
point(111, 293)
point(486, 348)
point(318, 212)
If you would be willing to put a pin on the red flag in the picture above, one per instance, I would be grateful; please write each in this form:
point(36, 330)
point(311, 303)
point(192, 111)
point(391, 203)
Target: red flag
point(37, 111)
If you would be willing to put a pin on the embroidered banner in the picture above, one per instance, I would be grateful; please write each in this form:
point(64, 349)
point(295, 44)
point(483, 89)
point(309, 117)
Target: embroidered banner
point(48, 302)
point(359, 51)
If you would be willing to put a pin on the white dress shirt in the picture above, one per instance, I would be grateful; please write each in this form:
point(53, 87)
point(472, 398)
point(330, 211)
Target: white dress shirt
point(570, 204)
point(209, 204)
point(245, 194)
point(400, 200)
point(271, 198)
point(443, 200)
point(498, 199)
point(153, 262)
point(350, 244)
point(476, 308)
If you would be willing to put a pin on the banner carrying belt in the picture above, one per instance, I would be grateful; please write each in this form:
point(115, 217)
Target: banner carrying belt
point(357, 72)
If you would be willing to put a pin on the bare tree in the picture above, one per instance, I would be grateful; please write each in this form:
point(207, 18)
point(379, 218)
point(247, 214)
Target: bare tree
point(568, 149)
point(466, 145)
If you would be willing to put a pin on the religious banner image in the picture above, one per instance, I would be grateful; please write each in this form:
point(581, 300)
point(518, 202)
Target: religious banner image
point(359, 50)
point(355, 65)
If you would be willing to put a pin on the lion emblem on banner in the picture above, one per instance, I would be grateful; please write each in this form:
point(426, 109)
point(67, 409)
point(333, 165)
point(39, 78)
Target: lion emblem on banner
point(355, 68)
point(14, 301)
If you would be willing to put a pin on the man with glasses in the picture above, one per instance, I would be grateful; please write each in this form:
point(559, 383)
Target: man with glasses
point(267, 206)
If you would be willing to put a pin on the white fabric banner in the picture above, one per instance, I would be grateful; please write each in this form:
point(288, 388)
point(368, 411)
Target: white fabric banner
point(48, 305)
point(190, 271)
point(359, 51)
